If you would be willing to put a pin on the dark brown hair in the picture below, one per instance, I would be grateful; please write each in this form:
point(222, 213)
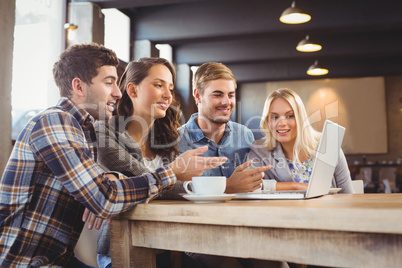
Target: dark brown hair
point(82, 61)
point(163, 137)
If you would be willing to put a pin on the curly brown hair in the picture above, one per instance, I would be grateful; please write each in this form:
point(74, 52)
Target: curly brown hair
point(82, 61)
point(163, 138)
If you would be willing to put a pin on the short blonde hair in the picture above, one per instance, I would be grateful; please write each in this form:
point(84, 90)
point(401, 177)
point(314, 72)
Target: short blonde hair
point(307, 137)
point(211, 71)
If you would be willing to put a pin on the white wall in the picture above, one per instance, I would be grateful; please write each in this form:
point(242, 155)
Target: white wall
point(356, 103)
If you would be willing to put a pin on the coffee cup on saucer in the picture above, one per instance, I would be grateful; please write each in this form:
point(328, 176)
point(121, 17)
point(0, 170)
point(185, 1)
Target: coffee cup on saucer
point(206, 185)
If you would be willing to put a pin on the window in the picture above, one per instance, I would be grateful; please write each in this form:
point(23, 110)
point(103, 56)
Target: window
point(119, 40)
point(165, 51)
point(39, 39)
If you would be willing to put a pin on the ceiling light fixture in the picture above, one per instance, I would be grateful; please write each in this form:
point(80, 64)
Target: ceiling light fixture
point(316, 69)
point(307, 45)
point(294, 15)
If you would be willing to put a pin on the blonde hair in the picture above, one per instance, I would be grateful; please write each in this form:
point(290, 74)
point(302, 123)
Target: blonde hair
point(211, 71)
point(307, 137)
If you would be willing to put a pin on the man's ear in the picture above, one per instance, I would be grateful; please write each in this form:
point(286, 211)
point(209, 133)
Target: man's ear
point(197, 95)
point(132, 90)
point(78, 87)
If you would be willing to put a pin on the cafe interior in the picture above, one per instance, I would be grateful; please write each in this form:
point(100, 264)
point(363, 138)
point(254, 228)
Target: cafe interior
point(344, 60)
point(357, 45)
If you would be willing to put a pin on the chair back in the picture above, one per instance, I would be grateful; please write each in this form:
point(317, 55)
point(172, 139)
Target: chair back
point(358, 186)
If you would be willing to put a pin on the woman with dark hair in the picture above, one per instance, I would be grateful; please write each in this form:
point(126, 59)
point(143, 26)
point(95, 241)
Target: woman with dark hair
point(148, 109)
point(142, 136)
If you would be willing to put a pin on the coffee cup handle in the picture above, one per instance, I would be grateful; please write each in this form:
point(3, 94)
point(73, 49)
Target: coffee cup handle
point(185, 185)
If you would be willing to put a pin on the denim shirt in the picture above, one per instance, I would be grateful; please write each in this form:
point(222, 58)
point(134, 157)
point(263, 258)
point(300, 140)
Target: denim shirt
point(235, 145)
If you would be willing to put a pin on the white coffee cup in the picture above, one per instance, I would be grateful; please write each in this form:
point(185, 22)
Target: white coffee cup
point(206, 185)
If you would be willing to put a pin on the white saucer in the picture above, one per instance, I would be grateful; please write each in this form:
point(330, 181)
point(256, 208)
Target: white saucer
point(334, 190)
point(208, 198)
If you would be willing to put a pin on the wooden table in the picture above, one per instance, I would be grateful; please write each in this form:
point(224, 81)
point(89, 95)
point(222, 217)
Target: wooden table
point(342, 230)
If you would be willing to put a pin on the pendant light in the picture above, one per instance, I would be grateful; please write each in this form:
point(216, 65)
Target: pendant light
point(316, 69)
point(71, 30)
point(307, 45)
point(294, 15)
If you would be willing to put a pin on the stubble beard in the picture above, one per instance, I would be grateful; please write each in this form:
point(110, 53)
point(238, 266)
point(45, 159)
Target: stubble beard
point(219, 120)
point(97, 109)
point(212, 118)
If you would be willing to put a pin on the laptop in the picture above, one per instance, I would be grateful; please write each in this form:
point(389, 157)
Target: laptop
point(325, 161)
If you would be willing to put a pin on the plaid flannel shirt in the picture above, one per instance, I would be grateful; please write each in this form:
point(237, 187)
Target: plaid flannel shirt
point(51, 176)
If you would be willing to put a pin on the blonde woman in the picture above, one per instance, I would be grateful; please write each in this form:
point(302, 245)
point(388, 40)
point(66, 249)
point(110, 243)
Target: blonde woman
point(289, 145)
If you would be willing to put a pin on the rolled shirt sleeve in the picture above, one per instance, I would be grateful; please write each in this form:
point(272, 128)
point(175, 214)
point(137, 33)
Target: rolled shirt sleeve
point(59, 141)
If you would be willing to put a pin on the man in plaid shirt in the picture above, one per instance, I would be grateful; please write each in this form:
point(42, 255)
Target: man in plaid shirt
point(52, 174)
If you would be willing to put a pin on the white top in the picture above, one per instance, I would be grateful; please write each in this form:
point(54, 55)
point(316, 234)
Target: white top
point(154, 163)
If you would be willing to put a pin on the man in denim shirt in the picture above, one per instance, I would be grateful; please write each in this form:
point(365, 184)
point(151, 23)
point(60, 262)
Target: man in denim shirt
point(214, 92)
